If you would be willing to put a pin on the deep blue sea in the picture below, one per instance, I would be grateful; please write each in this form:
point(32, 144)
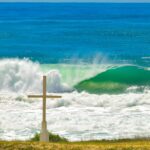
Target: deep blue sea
point(61, 32)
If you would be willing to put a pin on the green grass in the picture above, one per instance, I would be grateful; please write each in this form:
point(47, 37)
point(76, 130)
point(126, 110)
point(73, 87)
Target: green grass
point(89, 145)
point(52, 138)
point(60, 143)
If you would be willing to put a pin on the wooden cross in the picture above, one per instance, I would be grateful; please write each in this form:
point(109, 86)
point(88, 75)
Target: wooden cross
point(44, 136)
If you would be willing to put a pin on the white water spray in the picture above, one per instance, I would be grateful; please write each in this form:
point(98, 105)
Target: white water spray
point(21, 76)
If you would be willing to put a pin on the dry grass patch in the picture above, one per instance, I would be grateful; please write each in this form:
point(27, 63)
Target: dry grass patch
point(91, 145)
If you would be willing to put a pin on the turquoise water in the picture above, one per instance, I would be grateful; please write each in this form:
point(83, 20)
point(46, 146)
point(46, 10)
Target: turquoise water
point(116, 80)
point(74, 73)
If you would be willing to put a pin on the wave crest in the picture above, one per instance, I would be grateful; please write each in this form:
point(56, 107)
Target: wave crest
point(116, 80)
point(22, 76)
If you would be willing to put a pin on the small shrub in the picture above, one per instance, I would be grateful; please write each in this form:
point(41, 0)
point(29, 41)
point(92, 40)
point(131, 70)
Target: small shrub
point(52, 138)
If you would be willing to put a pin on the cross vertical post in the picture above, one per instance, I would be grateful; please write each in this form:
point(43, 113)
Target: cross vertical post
point(44, 98)
point(44, 135)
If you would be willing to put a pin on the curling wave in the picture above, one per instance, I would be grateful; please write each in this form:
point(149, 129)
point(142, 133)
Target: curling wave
point(116, 80)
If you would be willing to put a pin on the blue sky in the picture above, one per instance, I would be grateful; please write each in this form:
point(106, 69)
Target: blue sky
point(74, 0)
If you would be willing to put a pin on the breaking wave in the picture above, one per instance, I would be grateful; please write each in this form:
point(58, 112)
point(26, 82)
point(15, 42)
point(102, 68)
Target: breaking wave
point(116, 80)
point(69, 116)
point(21, 76)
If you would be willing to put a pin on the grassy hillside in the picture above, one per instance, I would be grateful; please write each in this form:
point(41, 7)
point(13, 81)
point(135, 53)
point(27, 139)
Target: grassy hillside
point(92, 145)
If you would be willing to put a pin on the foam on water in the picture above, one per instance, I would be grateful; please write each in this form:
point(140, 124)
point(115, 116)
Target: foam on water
point(23, 75)
point(20, 76)
point(76, 116)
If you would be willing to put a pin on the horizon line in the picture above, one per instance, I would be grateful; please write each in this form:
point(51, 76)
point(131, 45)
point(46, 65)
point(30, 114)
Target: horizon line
point(72, 2)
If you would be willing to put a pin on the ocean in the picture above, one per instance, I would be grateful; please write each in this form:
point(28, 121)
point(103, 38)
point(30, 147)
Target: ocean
point(96, 55)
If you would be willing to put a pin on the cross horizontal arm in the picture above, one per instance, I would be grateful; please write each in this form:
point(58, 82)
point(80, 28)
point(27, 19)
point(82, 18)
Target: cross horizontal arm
point(41, 96)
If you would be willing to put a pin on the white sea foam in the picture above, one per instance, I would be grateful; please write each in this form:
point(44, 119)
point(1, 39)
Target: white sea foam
point(25, 76)
point(76, 116)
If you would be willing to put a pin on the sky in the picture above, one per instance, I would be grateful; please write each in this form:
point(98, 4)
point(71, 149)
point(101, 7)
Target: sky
point(74, 0)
